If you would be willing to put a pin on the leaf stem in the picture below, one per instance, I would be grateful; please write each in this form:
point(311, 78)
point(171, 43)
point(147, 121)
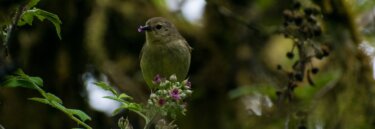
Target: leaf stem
point(147, 120)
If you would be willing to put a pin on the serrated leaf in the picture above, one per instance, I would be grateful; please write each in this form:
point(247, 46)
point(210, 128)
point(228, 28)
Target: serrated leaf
point(81, 115)
point(28, 16)
point(124, 96)
point(37, 80)
point(114, 98)
point(19, 72)
point(14, 81)
point(41, 14)
point(41, 100)
point(20, 79)
point(32, 3)
point(52, 97)
point(105, 86)
point(58, 106)
point(134, 106)
point(117, 111)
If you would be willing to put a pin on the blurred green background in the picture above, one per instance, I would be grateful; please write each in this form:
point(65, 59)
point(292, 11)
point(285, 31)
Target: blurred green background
point(237, 46)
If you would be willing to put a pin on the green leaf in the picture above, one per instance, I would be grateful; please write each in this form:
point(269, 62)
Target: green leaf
point(52, 97)
point(41, 14)
point(129, 106)
point(115, 99)
point(124, 96)
point(134, 106)
point(117, 111)
point(105, 86)
point(20, 79)
point(37, 80)
point(307, 93)
point(81, 115)
point(58, 106)
point(41, 100)
point(14, 81)
point(32, 3)
point(19, 72)
point(28, 17)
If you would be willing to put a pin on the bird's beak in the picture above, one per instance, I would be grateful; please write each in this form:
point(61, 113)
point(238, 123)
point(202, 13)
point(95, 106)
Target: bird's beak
point(144, 28)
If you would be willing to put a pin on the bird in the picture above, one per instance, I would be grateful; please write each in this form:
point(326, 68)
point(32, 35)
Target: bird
point(165, 52)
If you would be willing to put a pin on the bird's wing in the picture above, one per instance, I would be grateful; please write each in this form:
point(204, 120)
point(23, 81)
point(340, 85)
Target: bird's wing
point(187, 45)
point(141, 53)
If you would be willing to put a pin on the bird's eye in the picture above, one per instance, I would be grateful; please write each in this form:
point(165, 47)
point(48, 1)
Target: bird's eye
point(158, 27)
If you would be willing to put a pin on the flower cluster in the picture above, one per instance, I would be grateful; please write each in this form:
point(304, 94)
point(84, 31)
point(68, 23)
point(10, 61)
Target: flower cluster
point(170, 96)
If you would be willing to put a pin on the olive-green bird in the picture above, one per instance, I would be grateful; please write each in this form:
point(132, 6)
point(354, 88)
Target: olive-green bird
point(165, 52)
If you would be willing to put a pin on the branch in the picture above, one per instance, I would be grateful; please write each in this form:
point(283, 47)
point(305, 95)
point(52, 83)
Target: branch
point(11, 28)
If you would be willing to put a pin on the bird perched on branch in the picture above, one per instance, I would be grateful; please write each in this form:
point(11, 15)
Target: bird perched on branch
point(165, 52)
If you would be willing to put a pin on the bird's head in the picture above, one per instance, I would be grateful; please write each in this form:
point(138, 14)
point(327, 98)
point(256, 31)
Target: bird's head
point(159, 30)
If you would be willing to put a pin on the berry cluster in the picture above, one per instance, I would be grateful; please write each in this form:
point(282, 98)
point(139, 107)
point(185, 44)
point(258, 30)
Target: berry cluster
point(303, 26)
point(170, 95)
point(302, 23)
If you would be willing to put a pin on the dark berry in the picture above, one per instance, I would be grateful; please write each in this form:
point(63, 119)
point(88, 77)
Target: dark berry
point(279, 67)
point(285, 23)
point(298, 21)
point(286, 35)
point(317, 31)
point(308, 11)
point(290, 55)
point(296, 5)
point(309, 79)
point(319, 56)
point(311, 11)
point(292, 86)
point(287, 14)
point(325, 52)
point(278, 93)
point(298, 76)
point(314, 70)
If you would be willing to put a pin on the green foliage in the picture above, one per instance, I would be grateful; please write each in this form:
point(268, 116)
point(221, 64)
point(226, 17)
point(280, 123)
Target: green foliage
point(125, 101)
point(32, 3)
point(20, 79)
point(322, 81)
point(123, 98)
point(105, 86)
point(81, 115)
point(28, 15)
